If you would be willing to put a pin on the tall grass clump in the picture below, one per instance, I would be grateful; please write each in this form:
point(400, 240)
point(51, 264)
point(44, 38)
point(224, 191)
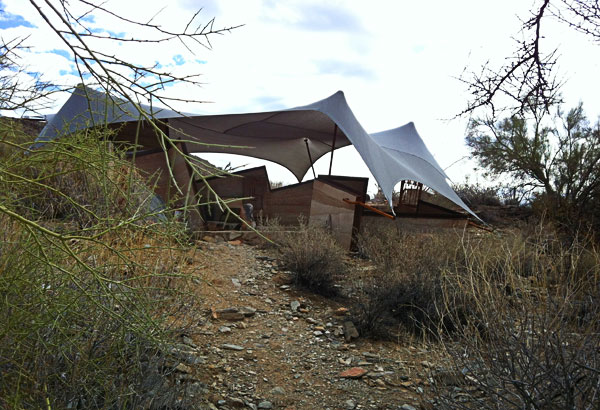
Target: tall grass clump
point(90, 278)
point(313, 256)
point(406, 290)
point(535, 341)
point(517, 313)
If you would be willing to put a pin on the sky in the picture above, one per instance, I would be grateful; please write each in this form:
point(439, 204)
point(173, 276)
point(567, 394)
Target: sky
point(396, 61)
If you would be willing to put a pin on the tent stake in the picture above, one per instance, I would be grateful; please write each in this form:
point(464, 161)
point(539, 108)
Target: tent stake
point(332, 147)
point(310, 158)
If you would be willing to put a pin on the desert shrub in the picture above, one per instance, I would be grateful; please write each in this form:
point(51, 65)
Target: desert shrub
point(313, 256)
point(539, 349)
point(90, 282)
point(517, 312)
point(475, 194)
point(408, 288)
point(535, 341)
point(424, 281)
point(412, 303)
point(531, 357)
point(81, 178)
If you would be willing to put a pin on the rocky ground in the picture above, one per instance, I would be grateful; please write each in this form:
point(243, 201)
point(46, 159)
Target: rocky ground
point(263, 343)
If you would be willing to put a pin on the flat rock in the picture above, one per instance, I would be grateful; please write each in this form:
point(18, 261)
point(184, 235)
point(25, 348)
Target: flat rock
point(278, 391)
point(353, 373)
point(349, 404)
point(294, 305)
point(265, 405)
point(188, 341)
point(235, 402)
point(341, 311)
point(229, 346)
point(232, 316)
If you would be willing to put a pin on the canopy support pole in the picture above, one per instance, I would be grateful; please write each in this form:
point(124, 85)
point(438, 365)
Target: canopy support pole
point(332, 147)
point(310, 158)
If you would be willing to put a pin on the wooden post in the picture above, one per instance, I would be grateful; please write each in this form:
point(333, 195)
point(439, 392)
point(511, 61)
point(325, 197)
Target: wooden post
point(419, 190)
point(401, 193)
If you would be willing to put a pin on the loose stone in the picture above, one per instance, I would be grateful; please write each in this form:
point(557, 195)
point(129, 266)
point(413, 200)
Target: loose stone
point(353, 373)
point(229, 346)
point(265, 405)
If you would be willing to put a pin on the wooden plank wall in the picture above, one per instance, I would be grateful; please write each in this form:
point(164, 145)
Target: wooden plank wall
point(320, 201)
point(413, 224)
point(289, 202)
point(327, 207)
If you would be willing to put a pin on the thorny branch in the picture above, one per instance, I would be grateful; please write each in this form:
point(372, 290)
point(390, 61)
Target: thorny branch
point(529, 80)
point(20, 90)
point(140, 82)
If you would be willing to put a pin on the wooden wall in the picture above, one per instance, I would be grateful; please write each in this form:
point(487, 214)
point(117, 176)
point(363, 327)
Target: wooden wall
point(328, 207)
point(413, 224)
point(289, 202)
point(320, 201)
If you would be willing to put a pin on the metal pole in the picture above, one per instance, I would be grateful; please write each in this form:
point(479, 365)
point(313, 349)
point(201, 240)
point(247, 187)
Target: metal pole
point(310, 158)
point(333, 147)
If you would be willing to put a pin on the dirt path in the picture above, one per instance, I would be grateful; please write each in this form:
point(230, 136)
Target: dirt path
point(262, 343)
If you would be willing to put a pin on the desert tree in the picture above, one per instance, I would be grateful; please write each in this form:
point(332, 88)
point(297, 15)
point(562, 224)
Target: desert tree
point(517, 127)
point(529, 78)
point(557, 161)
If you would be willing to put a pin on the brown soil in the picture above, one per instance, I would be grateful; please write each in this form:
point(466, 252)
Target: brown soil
point(292, 359)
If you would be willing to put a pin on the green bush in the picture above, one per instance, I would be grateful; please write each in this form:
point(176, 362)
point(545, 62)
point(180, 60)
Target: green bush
point(89, 282)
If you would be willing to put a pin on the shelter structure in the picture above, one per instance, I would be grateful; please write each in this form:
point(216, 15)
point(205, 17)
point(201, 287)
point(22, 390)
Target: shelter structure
point(294, 138)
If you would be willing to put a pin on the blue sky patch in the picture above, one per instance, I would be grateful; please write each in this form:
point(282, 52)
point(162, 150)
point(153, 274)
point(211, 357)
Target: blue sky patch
point(418, 48)
point(89, 18)
point(115, 34)
point(179, 60)
point(8, 20)
point(62, 53)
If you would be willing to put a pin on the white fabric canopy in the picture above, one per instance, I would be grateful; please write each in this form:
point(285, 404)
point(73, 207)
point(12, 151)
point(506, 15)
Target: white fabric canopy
point(279, 136)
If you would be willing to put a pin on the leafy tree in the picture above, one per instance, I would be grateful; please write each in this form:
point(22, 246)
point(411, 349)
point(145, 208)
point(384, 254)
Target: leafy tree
point(558, 161)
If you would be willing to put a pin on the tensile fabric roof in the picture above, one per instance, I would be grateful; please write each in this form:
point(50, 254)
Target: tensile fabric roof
point(284, 136)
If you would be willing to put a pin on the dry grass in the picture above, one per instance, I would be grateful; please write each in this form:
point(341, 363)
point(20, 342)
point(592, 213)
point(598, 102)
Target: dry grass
point(313, 256)
point(517, 313)
point(90, 281)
